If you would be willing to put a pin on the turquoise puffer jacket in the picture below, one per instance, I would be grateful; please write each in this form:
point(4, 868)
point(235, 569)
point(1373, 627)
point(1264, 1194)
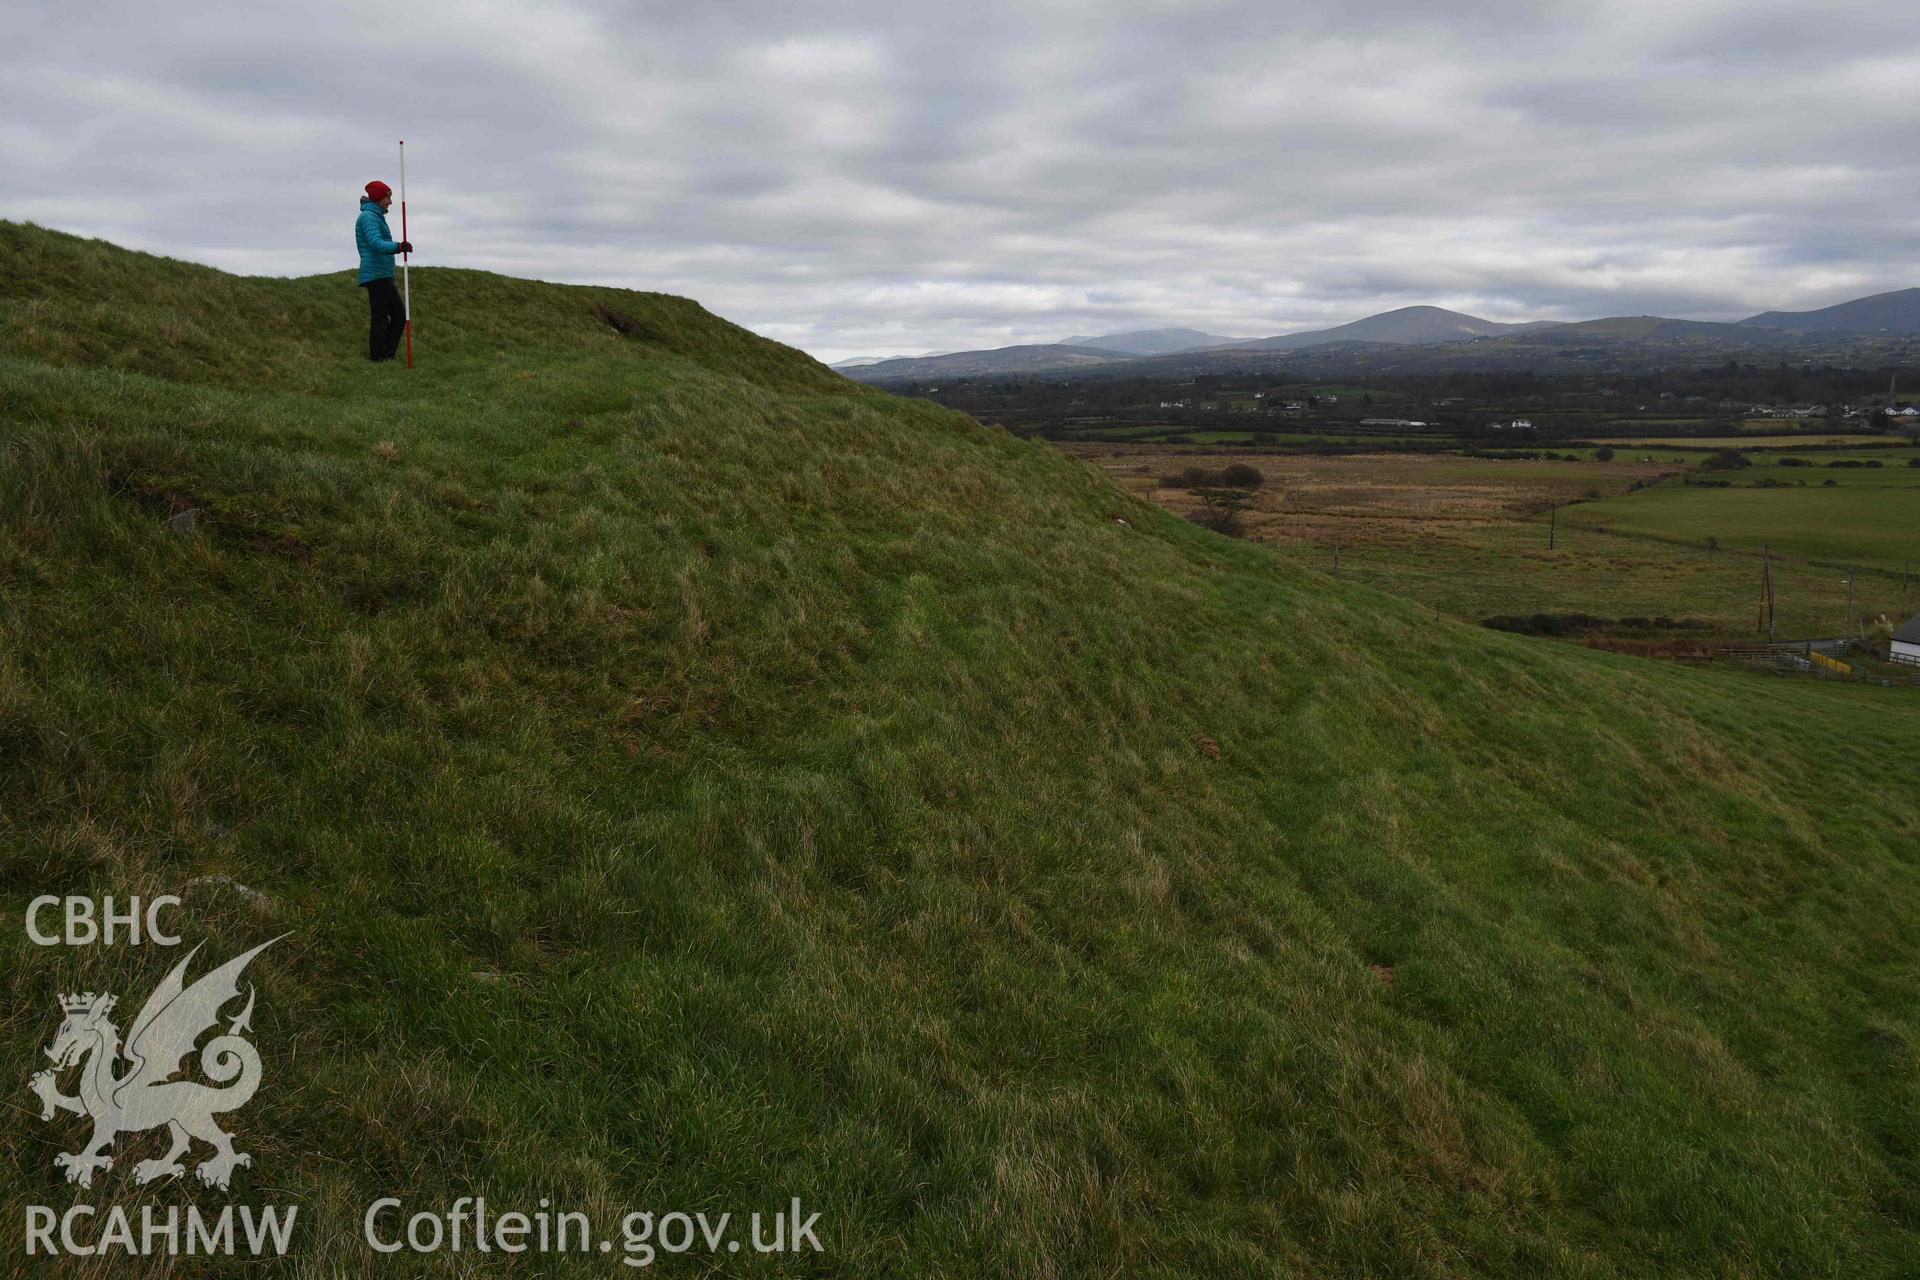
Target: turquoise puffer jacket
point(377, 245)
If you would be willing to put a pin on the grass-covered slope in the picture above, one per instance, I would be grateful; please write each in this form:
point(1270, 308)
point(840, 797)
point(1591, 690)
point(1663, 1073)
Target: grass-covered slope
point(694, 781)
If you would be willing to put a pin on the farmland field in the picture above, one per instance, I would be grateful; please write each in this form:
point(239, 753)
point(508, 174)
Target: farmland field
point(1468, 536)
point(1858, 521)
point(1656, 453)
point(1775, 441)
point(1816, 461)
point(1163, 433)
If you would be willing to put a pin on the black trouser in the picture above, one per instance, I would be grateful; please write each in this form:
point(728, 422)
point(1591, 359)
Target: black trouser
point(388, 319)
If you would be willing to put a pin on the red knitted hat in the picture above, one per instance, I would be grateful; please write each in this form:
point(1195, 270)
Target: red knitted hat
point(378, 190)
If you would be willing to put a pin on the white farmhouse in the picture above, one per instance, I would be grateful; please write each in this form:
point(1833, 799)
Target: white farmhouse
point(1906, 642)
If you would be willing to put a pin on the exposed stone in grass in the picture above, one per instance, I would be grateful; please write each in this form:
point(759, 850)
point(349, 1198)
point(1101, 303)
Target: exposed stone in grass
point(252, 897)
point(184, 512)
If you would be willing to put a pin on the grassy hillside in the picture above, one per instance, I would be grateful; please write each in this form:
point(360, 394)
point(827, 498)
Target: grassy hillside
point(693, 781)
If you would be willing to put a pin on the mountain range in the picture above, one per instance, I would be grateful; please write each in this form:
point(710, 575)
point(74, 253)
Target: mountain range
point(1412, 326)
point(1151, 342)
point(1896, 312)
point(1880, 315)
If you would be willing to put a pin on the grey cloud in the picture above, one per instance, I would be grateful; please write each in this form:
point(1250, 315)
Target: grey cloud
point(869, 178)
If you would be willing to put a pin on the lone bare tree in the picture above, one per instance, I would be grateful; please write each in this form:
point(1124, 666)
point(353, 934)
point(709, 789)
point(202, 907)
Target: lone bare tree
point(1223, 495)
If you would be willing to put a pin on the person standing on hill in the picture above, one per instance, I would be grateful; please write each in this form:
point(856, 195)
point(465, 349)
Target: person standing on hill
point(377, 247)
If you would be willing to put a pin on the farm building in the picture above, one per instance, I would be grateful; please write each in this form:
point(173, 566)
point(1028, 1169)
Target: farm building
point(1906, 641)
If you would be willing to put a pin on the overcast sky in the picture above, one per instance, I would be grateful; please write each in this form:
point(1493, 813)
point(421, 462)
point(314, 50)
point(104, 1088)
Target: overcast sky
point(897, 177)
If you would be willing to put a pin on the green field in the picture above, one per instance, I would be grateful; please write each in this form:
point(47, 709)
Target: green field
point(1507, 570)
point(1863, 520)
point(1755, 441)
point(687, 779)
point(1469, 536)
point(1655, 453)
point(1217, 437)
point(1277, 439)
point(1131, 431)
point(1756, 426)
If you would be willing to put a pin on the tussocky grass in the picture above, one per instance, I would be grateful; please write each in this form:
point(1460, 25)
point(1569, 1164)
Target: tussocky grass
point(693, 781)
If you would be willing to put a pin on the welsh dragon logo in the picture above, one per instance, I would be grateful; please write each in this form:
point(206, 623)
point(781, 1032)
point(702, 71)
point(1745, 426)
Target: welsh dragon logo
point(145, 1095)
